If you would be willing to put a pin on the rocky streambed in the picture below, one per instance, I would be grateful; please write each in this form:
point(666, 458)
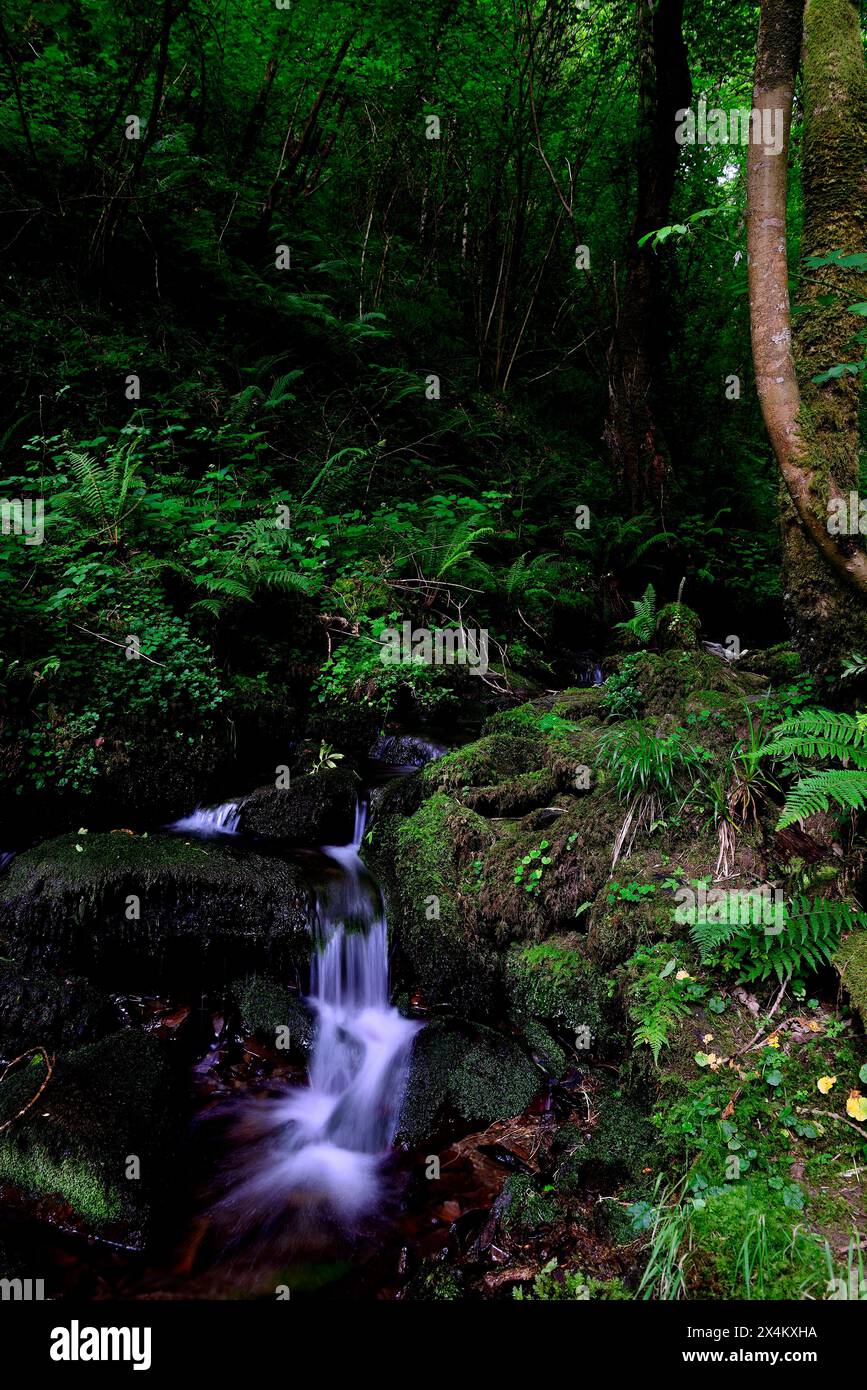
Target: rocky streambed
point(154, 993)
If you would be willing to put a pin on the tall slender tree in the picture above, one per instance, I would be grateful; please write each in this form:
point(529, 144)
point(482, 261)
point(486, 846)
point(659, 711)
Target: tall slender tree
point(813, 426)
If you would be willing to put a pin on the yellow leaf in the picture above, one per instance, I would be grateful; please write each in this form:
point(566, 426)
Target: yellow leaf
point(825, 1083)
point(773, 1040)
point(683, 975)
point(856, 1106)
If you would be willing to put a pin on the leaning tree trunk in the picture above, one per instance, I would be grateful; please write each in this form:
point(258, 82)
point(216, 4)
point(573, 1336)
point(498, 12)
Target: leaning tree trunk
point(636, 354)
point(814, 428)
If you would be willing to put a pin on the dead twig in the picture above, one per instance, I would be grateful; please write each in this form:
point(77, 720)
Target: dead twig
point(49, 1063)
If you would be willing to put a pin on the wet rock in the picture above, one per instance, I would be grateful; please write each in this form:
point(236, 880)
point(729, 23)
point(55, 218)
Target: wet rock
point(406, 750)
point(266, 1006)
point(112, 1109)
point(317, 809)
point(38, 1009)
point(467, 1073)
point(154, 911)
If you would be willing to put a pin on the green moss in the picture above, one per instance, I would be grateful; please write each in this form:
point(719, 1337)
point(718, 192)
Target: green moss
point(851, 961)
point(469, 1074)
point(677, 627)
point(493, 758)
point(105, 1102)
point(743, 1245)
point(144, 910)
point(616, 1150)
point(526, 1209)
point(553, 980)
point(420, 862)
point(266, 1005)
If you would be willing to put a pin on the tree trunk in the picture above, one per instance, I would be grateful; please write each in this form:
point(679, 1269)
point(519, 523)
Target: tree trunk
point(637, 352)
point(813, 427)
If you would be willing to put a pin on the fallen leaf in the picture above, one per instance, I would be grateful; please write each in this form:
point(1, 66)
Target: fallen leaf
point(825, 1083)
point(856, 1106)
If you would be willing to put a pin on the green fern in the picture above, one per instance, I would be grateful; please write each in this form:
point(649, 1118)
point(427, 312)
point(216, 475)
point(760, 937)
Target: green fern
point(822, 733)
point(808, 940)
point(847, 788)
point(642, 624)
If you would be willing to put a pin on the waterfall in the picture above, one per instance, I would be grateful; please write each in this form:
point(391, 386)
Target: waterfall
point(326, 1141)
point(210, 820)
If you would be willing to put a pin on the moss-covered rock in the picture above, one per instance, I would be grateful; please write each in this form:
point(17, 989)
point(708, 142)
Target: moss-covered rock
point(318, 808)
point(667, 679)
point(106, 1105)
point(56, 1012)
point(154, 910)
point(779, 664)
point(420, 862)
point(677, 628)
point(493, 758)
point(266, 1006)
point(554, 981)
point(616, 1148)
point(465, 1074)
point(851, 961)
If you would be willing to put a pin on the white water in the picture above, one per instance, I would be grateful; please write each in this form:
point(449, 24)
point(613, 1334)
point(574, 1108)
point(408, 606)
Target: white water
point(210, 820)
point(327, 1140)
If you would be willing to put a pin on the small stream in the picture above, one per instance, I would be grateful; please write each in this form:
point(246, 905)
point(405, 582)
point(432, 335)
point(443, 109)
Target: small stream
point(323, 1144)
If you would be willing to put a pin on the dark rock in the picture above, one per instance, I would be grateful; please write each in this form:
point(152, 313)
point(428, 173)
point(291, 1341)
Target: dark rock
point(154, 910)
point(406, 750)
point(38, 1009)
point(466, 1073)
point(318, 808)
point(105, 1105)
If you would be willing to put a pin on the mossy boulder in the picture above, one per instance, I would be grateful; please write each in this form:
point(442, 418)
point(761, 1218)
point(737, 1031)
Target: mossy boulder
point(554, 981)
point(851, 961)
point(266, 1006)
point(56, 1012)
point(779, 664)
point(615, 1150)
point(667, 679)
point(494, 758)
point(318, 808)
point(464, 1075)
point(420, 862)
point(106, 1105)
point(154, 911)
point(677, 628)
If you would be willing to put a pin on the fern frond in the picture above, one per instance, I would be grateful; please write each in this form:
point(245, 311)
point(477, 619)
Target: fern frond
point(846, 787)
point(820, 733)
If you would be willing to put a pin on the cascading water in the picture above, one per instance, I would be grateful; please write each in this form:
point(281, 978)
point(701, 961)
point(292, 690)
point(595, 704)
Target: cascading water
point(210, 820)
point(326, 1141)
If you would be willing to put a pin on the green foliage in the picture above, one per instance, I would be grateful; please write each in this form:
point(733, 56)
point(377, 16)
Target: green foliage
point(806, 938)
point(659, 1000)
point(822, 733)
point(642, 624)
point(531, 868)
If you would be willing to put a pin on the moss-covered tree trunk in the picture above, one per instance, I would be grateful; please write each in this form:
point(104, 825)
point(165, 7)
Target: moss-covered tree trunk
point(813, 427)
